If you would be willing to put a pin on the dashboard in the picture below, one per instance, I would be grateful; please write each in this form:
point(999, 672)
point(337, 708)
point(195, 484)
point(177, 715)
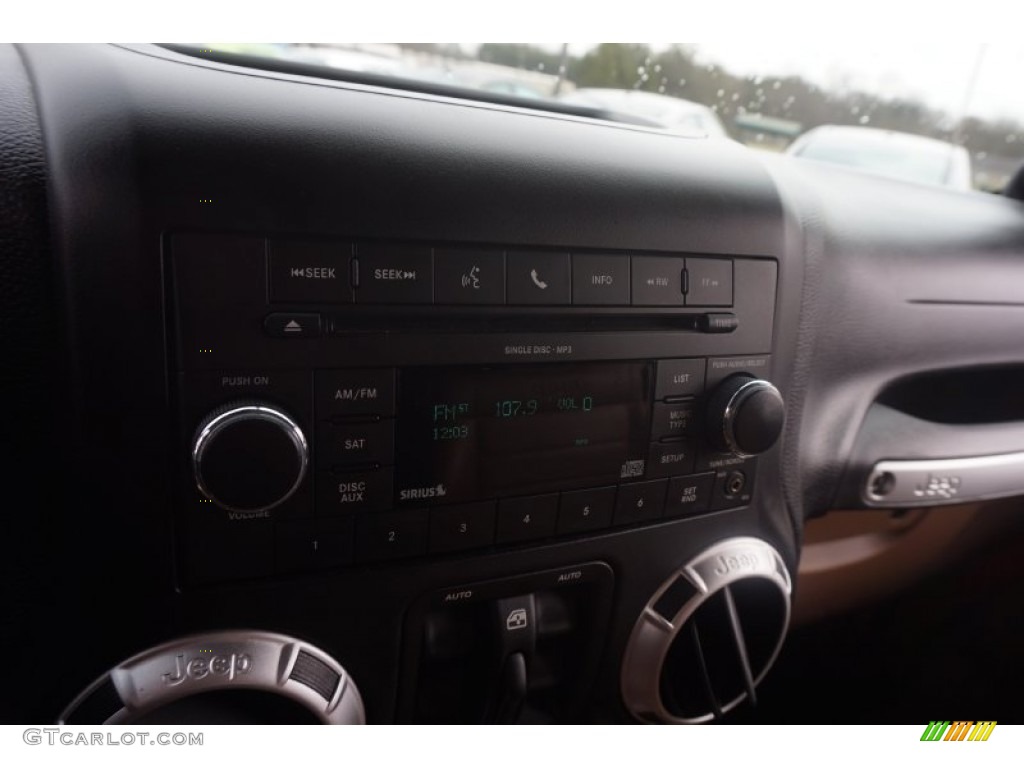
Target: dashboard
point(338, 403)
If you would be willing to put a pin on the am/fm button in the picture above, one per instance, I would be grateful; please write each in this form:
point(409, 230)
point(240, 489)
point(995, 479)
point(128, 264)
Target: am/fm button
point(355, 392)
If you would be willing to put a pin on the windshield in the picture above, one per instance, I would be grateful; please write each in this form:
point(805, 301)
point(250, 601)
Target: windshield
point(768, 98)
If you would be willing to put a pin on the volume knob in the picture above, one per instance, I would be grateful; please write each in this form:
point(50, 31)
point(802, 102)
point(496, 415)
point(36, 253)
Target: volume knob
point(249, 457)
point(745, 415)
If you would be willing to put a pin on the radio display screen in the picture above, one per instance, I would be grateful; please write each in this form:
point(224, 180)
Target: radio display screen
point(478, 433)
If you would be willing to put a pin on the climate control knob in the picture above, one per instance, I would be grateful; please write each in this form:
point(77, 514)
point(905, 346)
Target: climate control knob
point(745, 415)
point(249, 457)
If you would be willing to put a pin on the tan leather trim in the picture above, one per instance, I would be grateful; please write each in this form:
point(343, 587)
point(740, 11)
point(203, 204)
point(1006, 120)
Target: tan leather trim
point(851, 558)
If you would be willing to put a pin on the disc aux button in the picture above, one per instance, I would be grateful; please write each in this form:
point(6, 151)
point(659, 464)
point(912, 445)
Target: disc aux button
point(340, 493)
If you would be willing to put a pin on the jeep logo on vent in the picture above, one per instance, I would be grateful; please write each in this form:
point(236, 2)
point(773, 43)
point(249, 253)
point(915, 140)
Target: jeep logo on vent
point(199, 667)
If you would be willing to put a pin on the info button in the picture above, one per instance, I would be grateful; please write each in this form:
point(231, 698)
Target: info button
point(600, 280)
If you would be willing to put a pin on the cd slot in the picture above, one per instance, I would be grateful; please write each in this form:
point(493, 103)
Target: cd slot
point(340, 324)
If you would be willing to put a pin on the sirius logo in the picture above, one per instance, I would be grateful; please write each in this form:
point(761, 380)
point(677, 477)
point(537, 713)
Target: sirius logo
point(433, 492)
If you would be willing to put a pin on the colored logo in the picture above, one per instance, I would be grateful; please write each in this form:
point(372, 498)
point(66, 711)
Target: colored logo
point(961, 730)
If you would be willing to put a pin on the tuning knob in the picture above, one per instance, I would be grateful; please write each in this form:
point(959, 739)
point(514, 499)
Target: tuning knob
point(745, 415)
point(249, 457)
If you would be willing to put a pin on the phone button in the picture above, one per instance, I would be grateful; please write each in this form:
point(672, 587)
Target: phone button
point(535, 277)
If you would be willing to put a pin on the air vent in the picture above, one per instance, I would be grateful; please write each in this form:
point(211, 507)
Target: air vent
point(708, 635)
point(312, 672)
point(223, 677)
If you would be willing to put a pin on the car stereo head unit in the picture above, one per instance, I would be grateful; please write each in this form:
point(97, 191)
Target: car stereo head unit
point(343, 403)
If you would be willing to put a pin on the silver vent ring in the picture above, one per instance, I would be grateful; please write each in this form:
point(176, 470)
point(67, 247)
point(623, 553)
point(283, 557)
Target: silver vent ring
point(712, 589)
point(218, 661)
